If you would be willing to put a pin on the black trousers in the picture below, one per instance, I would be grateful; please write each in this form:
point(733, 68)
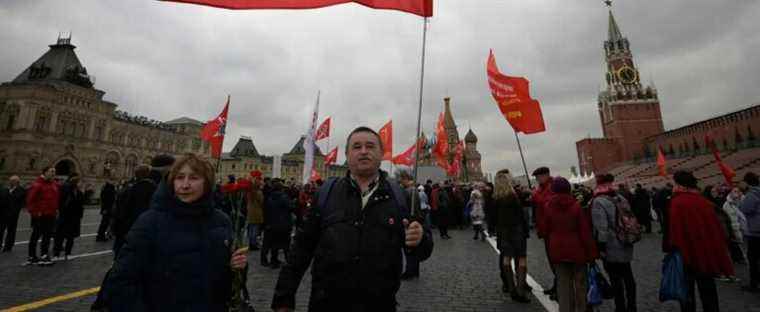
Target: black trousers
point(274, 241)
point(623, 285)
point(42, 228)
point(8, 231)
point(444, 230)
point(708, 292)
point(58, 244)
point(105, 222)
point(753, 256)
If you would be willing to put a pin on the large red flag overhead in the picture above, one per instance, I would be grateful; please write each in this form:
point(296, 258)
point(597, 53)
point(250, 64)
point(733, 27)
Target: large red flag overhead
point(332, 157)
point(419, 7)
point(386, 138)
point(726, 170)
point(213, 131)
point(512, 95)
point(324, 129)
point(661, 163)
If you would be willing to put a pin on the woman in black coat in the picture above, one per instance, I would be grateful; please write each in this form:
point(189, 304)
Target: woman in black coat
point(69, 223)
point(177, 256)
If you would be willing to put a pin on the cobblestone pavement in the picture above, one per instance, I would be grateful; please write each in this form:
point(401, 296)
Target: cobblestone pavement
point(647, 271)
point(460, 276)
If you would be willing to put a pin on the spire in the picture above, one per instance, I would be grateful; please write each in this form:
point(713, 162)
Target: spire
point(614, 30)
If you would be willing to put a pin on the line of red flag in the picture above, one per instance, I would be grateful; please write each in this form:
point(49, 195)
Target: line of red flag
point(422, 8)
point(512, 95)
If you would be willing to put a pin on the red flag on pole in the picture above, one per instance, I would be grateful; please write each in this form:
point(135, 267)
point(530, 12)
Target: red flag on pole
point(406, 158)
point(661, 163)
point(314, 175)
point(213, 131)
point(726, 170)
point(512, 95)
point(422, 8)
point(332, 157)
point(324, 129)
point(386, 138)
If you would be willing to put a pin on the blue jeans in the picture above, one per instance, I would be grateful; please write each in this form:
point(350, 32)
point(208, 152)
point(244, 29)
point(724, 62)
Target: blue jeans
point(253, 233)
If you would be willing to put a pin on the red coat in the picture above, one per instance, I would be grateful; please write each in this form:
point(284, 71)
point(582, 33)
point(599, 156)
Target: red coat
point(568, 231)
point(540, 198)
point(694, 230)
point(42, 198)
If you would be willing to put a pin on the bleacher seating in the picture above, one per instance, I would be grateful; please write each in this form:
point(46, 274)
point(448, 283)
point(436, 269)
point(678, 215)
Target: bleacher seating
point(703, 166)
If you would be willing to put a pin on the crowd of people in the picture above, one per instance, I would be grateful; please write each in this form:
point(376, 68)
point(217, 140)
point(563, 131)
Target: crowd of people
point(173, 225)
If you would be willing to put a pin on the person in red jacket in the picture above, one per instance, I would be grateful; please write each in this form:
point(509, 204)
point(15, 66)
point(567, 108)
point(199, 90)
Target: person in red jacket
point(694, 231)
point(571, 245)
point(42, 203)
point(540, 197)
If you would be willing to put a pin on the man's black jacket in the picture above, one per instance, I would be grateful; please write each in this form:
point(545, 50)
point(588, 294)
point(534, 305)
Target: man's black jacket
point(357, 253)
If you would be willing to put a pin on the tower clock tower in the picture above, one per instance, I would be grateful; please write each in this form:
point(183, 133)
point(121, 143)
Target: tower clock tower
point(629, 111)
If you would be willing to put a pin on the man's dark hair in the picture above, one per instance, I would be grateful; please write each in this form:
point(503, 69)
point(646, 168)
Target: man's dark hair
point(685, 178)
point(751, 179)
point(142, 172)
point(363, 129)
point(46, 168)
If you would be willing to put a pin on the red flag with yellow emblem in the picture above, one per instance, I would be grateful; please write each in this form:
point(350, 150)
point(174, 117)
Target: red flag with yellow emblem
point(512, 95)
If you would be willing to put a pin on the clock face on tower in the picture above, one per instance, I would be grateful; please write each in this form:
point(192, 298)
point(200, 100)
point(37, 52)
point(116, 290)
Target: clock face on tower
point(627, 75)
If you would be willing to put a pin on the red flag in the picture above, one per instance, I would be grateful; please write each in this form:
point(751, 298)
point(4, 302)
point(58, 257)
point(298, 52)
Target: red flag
point(331, 157)
point(324, 129)
point(314, 175)
point(456, 165)
point(441, 147)
point(661, 163)
point(422, 8)
point(726, 170)
point(213, 131)
point(386, 138)
point(512, 95)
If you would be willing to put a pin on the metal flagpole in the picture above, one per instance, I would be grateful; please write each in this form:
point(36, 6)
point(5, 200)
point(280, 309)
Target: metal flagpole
point(419, 112)
point(527, 177)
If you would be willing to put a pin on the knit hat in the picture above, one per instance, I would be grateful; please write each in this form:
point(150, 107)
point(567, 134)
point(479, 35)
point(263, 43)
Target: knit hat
point(685, 178)
point(541, 171)
point(162, 161)
point(560, 185)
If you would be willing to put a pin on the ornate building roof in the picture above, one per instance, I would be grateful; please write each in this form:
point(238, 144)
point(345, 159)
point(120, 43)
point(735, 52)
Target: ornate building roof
point(299, 149)
point(185, 120)
point(244, 148)
point(59, 64)
point(470, 137)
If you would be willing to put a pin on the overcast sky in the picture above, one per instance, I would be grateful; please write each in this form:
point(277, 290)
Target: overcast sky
point(165, 60)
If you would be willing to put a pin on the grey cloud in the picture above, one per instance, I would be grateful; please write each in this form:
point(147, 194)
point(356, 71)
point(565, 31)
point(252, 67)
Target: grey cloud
point(164, 60)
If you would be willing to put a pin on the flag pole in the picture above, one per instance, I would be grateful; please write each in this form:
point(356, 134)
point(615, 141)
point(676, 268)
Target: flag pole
point(527, 177)
point(419, 110)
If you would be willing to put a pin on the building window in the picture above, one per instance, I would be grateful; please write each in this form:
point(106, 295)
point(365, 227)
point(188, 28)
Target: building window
point(41, 122)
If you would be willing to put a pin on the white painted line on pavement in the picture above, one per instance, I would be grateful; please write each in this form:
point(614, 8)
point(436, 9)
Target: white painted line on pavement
point(83, 224)
point(84, 235)
point(538, 291)
point(97, 253)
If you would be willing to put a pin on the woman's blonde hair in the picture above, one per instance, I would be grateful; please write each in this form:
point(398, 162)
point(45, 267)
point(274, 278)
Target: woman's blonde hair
point(503, 184)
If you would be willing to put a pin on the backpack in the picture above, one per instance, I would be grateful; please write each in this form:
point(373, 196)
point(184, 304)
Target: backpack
point(627, 228)
point(324, 193)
